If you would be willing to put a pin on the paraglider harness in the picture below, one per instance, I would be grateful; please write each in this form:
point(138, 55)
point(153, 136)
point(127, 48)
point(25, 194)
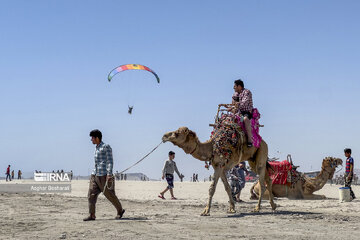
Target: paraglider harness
point(130, 109)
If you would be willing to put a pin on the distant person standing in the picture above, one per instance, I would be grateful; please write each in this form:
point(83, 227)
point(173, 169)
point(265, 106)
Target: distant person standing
point(12, 174)
point(349, 171)
point(102, 179)
point(181, 178)
point(168, 173)
point(233, 176)
point(19, 174)
point(8, 173)
point(242, 170)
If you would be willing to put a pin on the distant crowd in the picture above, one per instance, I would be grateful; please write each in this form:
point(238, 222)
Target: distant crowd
point(10, 174)
point(124, 177)
point(194, 178)
point(121, 176)
point(340, 180)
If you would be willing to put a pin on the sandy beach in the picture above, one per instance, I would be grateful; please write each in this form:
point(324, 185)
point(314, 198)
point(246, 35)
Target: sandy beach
point(59, 216)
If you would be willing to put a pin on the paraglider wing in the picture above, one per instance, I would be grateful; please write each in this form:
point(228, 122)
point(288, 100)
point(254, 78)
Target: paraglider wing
point(131, 67)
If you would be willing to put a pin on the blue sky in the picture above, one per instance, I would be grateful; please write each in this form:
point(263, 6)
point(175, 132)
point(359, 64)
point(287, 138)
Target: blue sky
point(299, 58)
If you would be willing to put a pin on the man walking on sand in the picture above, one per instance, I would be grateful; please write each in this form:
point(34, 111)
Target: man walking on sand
point(8, 173)
point(168, 173)
point(102, 179)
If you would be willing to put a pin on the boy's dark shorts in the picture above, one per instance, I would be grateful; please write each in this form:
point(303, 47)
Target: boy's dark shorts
point(170, 180)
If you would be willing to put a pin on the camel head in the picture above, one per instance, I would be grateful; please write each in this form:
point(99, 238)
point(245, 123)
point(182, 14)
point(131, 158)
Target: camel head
point(178, 137)
point(330, 164)
point(189, 142)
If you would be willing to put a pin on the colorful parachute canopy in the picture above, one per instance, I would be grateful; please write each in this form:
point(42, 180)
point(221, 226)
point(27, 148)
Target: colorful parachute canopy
point(129, 67)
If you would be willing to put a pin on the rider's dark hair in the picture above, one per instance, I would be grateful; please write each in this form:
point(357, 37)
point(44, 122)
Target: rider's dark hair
point(239, 82)
point(96, 133)
point(171, 153)
point(347, 150)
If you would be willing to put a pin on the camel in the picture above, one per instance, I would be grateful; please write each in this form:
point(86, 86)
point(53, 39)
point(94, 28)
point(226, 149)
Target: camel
point(204, 151)
point(304, 188)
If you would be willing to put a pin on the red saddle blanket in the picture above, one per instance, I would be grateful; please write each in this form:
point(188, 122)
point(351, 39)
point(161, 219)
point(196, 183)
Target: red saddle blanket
point(279, 172)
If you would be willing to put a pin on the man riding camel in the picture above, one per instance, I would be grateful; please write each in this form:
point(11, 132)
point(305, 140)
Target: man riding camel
point(243, 104)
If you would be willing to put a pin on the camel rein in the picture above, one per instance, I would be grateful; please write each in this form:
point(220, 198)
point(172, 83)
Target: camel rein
point(339, 169)
point(332, 166)
point(142, 158)
point(106, 184)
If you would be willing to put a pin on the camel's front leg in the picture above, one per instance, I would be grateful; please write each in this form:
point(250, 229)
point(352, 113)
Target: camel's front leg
point(228, 190)
point(212, 188)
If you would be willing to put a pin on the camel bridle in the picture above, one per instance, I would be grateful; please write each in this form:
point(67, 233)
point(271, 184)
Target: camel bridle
point(197, 144)
point(333, 165)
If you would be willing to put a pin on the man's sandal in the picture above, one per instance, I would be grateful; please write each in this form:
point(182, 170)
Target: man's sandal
point(89, 218)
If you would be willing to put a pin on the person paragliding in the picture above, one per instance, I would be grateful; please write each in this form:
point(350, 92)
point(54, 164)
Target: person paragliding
point(130, 109)
point(131, 67)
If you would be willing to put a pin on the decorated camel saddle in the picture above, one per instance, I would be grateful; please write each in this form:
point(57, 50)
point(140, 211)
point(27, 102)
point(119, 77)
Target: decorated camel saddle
point(284, 173)
point(229, 128)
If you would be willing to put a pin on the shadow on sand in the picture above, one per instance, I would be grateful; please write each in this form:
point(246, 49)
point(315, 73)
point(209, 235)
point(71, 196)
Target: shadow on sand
point(286, 213)
point(128, 219)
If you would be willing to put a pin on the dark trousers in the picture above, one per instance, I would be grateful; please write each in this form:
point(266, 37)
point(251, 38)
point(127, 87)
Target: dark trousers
point(8, 176)
point(242, 180)
point(348, 184)
point(96, 186)
point(235, 187)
